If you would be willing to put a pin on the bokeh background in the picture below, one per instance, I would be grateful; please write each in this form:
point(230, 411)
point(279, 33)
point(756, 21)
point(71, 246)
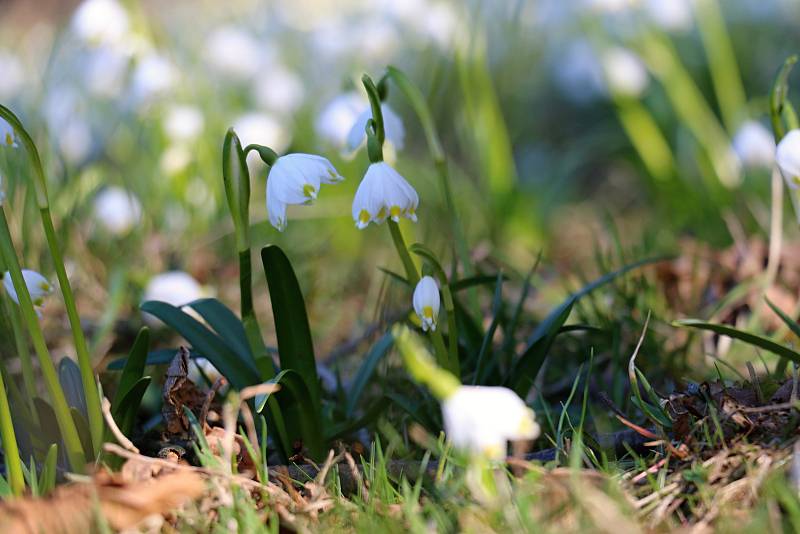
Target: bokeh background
point(569, 126)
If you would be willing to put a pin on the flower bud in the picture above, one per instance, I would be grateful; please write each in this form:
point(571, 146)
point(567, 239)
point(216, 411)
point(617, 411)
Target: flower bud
point(426, 302)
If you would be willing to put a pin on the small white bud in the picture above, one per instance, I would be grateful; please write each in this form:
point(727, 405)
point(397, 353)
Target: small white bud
point(426, 302)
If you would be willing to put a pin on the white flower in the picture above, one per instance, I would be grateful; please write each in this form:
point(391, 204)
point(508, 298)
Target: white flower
point(337, 118)
point(392, 125)
point(183, 123)
point(279, 89)
point(153, 76)
point(100, 21)
point(295, 179)
point(38, 286)
point(383, 193)
point(342, 122)
point(235, 52)
point(8, 137)
point(426, 302)
point(754, 145)
point(481, 420)
point(625, 72)
point(117, 210)
point(670, 15)
point(263, 129)
point(173, 287)
point(787, 156)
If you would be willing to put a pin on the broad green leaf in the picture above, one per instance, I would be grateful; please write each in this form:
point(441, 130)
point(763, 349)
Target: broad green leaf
point(747, 337)
point(134, 365)
point(295, 347)
point(365, 371)
point(128, 407)
point(154, 357)
point(69, 376)
point(239, 372)
point(225, 324)
point(297, 409)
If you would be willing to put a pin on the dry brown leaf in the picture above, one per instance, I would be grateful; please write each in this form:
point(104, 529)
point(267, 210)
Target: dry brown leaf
point(72, 508)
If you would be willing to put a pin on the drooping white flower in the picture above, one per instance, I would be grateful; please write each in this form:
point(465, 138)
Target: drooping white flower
point(392, 125)
point(117, 210)
point(100, 22)
point(426, 302)
point(38, 286)
point(183, 123)
point(481, 420)
point(383, 193)
point(787, 156)
point(296, 179)
point(8, 137)
point(754, 145)
point(625, 71)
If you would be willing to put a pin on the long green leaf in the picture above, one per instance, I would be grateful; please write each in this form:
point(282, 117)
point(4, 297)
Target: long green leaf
point(47, 479)
point(225, 324)
point(134, 365)
point(126, 410)
point(239, 372)
point(365, 371)
point(295, 347)
point(747, 337)
point(791, 323)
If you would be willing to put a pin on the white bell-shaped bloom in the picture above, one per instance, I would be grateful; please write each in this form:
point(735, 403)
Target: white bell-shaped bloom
point(426, 302)
point(754, 145)
point(117, 210)
point(296, 179)
point(383, 193)
point(8, 137)
point(625, 72)
point(787, 156)
point(481, 420)
point(337, 118)
point(392, 125)
point(38, 286)
point(100, 22)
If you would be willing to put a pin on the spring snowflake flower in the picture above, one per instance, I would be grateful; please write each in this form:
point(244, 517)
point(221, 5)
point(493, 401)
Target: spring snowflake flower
point(100, 22)
point(426, 302)
point(342, 122)
point(183, 123)
point(383, 194)
point(8, 137)
point(481, 420)
point(754, 145)
point(38, 287)
point(787, 156)
point(625, 72)
point(117, 210)
point(295, 179)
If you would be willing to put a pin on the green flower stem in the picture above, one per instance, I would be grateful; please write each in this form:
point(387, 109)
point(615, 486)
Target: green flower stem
point(10, 449)
point(90, 391)
point(24, 355)
point(402, 250)
point(66, 424)
point(251, 329)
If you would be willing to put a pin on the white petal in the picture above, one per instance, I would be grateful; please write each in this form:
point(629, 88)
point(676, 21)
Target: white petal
point(393, 127)
point(358, 133)
point(787, 156)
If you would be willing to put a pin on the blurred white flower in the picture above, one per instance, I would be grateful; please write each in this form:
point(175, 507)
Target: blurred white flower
point(8, 137)
point(235, 52)
point(104, 70)
point(175, 159)
point(754, 145)
point(263, 129)
point(295, 179)
point(670, 15)
point(75, 140)
point(625, 71)
point(153, 75)
point(440, 23)
point(481, 420)
point(100, 22)
point(117, 210)
point(173, 287)
point(337, 118)
point(392, 125)
point(426, 302)
point(38, 286)
point(183, 123)
point(279, 89)
point(377, 39)
point(383, 193)
point(787, 156)
point(13, 77)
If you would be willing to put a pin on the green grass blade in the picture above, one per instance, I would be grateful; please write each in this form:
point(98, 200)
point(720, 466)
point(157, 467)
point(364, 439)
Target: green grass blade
point(751, 339)
point(134, 365)
point(365, 371)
